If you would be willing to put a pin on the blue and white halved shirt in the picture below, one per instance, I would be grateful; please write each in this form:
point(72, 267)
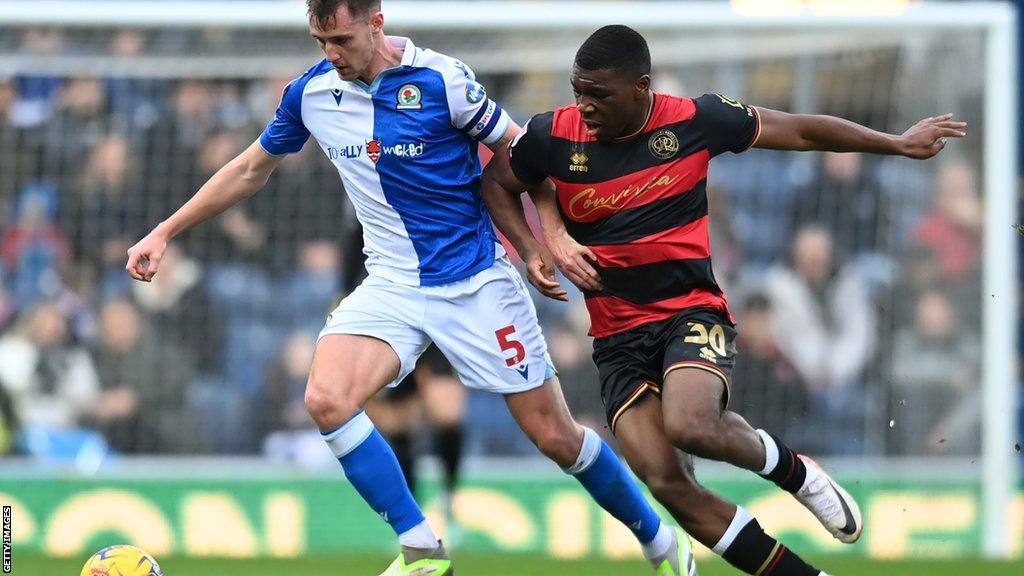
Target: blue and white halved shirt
point(406, 149)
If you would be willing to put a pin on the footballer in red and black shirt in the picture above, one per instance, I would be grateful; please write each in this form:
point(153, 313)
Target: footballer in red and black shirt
point(619, 183)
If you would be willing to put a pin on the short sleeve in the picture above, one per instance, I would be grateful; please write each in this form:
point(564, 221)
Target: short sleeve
point(727, 125)
point(286, 134)
point(472, 111)
point(529, 152)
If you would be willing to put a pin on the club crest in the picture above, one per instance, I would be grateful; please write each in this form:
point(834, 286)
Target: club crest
point(409, 97)
point(663, 144)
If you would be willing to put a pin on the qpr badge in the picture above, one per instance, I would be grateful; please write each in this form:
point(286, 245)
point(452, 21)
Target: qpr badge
point(663, 144)
point(409, 98)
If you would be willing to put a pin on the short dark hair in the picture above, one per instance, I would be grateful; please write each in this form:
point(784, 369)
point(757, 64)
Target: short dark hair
point(615, 47)
point(322, 11)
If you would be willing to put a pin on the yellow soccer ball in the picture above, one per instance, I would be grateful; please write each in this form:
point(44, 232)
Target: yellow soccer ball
point(121, 560)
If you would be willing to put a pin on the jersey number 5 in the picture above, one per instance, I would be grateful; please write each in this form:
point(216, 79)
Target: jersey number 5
point(508, 343)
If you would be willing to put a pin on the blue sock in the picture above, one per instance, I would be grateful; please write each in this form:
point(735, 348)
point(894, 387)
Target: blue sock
point(613, 487)
point(372, 468)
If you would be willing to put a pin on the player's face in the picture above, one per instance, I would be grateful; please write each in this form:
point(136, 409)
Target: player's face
point(349, 43)
point(612, 105)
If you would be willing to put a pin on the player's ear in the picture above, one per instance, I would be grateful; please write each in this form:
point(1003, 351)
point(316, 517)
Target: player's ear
point(376, 22)
point(641, 86)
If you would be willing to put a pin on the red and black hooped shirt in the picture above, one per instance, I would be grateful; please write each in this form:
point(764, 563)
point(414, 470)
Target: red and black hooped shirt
point(641, 205)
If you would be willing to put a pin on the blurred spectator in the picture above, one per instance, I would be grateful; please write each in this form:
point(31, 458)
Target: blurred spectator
point(9, 425)
point(293, 436)
point(951, 233)
point(307, 292)
point(22, 149)
point(103, 215)
point(758, 188)
point(952, 228)
point(286, 384)
point(766, 388)
point(177, 303)
point(6, 303)
point(235, 236)
point(846, 199)
point(35, 249)
point(131, 101)
point(173, 144)
point(570, 353)
point(137, 372)
point(53, 383)
point(725, 242)
point(935, 373)
point(81, 120)
point(36, 94)
point(824, 323)
point(304, 188)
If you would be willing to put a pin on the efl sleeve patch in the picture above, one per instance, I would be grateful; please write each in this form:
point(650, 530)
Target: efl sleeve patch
point(728, 125)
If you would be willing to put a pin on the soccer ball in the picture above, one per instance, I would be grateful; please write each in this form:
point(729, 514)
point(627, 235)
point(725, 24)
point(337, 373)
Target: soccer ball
point(121, 560)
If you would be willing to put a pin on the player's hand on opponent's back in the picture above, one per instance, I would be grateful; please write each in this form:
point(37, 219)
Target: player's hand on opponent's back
point(144, 257)
point(575, 261)
point(540, 271)
point(928, 137)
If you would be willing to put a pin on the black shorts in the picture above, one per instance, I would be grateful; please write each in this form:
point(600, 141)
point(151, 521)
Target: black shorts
point(635, 362)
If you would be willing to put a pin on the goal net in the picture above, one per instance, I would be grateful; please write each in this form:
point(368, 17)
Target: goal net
point(874, 295)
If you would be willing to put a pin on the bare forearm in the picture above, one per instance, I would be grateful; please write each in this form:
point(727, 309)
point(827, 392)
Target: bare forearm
point(506, 209)
point(544, 199)
point(782, 131)
point(236, 181)
point(832, 134)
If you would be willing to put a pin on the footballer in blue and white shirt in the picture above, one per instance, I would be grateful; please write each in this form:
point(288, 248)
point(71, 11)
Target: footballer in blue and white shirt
point(406, 149)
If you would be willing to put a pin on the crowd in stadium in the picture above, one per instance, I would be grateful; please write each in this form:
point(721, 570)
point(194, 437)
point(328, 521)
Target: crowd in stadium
point(854, 281)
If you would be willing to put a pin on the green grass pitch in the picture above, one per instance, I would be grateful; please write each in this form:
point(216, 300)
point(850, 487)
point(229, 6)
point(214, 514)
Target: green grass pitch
point(508, 565)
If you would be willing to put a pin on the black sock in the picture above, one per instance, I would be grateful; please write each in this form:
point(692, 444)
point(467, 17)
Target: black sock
point(449, 449)
point(757, 553)
point(790, 473)
point(402, 445)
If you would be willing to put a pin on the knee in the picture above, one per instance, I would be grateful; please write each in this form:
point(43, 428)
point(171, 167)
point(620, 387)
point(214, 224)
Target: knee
point(563, 447)
point(693, 435)
point(329, 407)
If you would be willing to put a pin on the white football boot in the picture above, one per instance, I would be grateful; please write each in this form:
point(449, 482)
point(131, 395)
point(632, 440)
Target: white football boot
point(831, 505)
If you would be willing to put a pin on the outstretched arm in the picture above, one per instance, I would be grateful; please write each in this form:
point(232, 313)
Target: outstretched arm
point(783, 131)
point(237, 180)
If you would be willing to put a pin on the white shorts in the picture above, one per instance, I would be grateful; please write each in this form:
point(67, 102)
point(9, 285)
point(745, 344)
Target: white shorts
point(486, 325)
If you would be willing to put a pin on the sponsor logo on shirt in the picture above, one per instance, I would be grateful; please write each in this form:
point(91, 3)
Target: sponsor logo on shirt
point(486, 118)
point(475, 92)
point(409, 98)
point(350, 152)
point(578, 162)
point(375, 148)
point(590, 200)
